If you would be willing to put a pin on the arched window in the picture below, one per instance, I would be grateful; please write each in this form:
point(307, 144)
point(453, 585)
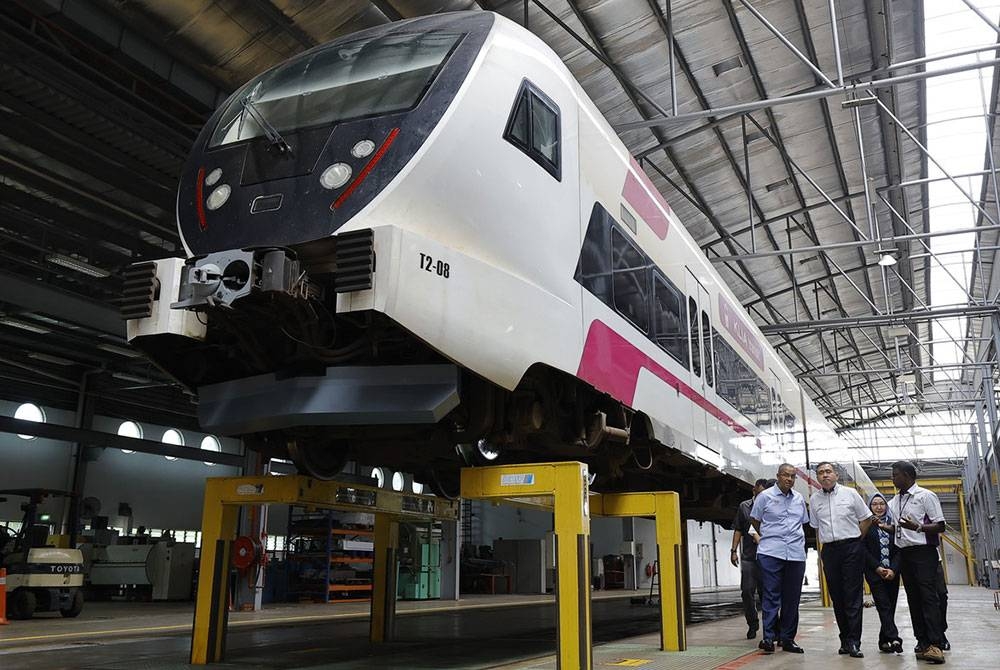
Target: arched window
point(172, 436)
point(378, 474)
point(210, 443)
point(29, 412)
point(398, 481)
point(417, 487)
point(130, 429)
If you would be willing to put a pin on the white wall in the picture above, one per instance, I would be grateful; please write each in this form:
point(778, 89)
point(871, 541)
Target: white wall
point(161, 493)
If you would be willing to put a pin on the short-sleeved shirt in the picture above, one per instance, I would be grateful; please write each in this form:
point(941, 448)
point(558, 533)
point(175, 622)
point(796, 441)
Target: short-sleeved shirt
point(748, 548)
point(922, 506)
point(781, 516)
point(836, 515)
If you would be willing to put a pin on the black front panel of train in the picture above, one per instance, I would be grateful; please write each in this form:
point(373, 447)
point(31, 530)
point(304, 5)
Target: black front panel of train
point(276, 197)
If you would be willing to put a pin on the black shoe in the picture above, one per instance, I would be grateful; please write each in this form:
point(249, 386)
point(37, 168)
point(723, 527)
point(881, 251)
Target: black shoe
point(855, 652)
point(843, 651)
point(791, 647)
point(767, 646)
point(752, 631)
point(945, 645)
point(897, 646)
point(885, 647)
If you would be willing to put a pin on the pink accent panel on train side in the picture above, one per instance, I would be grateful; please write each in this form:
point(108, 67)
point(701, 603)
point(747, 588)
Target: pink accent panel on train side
point(646, 200)
point(611, 364)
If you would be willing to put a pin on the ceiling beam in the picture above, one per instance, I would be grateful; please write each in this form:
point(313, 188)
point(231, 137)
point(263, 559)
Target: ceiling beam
point(35, 297)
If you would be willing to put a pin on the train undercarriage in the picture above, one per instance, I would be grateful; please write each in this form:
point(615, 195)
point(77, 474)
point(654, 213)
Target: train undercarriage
point(277, 365)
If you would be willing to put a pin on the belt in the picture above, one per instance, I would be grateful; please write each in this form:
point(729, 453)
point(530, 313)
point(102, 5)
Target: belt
point(837, 543)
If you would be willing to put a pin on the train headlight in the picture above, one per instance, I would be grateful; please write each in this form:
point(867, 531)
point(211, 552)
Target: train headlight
point(335, 176)
point(218, 197)
point(363, 148)
point(213, 177)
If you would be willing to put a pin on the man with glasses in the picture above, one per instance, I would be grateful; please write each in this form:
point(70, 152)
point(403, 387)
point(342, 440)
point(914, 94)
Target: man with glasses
point(778, 514)
point(841, 518)
point(919, 523)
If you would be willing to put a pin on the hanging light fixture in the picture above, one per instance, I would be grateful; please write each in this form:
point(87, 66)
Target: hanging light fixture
point(887, 257)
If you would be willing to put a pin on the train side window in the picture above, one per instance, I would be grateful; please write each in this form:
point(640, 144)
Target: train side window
point(669, 319)
point(693, 330)
point(629, 281)
point(533, 127)
point(706, 346)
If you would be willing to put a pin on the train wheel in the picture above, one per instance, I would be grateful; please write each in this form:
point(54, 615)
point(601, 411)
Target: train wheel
point(443, 486)
point(318, 459)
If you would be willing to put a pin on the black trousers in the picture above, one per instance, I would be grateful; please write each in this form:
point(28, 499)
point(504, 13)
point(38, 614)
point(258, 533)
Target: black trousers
point(752, 591)
point(942, 589)
point(885, 594)
point(843, 566)
point(919, 570)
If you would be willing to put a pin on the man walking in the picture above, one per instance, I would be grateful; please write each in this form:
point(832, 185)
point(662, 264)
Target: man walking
point(841, 518)
point(746, 560)
point(777, 515)
point(919, 521)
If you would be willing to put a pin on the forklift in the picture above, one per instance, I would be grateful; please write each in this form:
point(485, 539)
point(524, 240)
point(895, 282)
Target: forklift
point(40, 576)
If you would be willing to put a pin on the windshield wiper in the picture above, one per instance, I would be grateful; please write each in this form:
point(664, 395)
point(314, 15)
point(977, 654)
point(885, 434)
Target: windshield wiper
point(272, 134)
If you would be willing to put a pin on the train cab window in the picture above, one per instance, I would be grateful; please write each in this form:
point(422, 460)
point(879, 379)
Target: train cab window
point(343, 80)
point(670, 319)
point(694, 332)
point(706, 347)
point(533, 127)
point(629, 281)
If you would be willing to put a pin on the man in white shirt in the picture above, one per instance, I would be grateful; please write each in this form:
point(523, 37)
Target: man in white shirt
point(841, 518)
point(919, 523)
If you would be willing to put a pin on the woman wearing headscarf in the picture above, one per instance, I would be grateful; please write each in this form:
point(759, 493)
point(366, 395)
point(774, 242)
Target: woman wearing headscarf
point(882, 561)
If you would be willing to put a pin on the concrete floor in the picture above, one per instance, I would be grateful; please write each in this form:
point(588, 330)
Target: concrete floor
point(511, 632)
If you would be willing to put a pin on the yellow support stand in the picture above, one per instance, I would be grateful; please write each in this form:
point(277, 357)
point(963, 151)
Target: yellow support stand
point(225, 495)
point(563, 487)
point(665, 507)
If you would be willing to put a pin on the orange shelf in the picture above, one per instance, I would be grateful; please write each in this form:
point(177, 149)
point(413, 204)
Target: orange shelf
point(350, 587)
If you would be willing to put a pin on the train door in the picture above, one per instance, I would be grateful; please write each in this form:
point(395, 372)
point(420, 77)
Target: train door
point(700, 362)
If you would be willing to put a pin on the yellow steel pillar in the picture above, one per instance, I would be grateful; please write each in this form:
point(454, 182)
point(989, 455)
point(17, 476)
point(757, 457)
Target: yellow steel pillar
point(572, 530)
point(537, 484)
point(966, 543)
point(383, 609)
point(211, 615)
point(664, 507)
point(824, 592)
point(673, 635)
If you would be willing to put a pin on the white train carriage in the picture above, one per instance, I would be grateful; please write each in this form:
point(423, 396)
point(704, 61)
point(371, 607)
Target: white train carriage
point(426, 235)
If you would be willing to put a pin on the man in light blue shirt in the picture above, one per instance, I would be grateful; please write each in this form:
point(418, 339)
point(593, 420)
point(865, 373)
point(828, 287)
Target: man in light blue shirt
point(778, 514)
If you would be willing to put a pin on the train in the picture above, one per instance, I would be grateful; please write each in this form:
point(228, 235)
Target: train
point(422, 246)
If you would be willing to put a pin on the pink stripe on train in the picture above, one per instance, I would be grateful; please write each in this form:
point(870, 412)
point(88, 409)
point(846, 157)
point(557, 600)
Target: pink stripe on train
point(646, 200)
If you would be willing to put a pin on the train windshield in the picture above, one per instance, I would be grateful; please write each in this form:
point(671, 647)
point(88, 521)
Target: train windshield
point(368, 77)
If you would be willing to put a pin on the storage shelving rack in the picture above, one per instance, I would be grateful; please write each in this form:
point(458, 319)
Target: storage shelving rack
point(327, 561)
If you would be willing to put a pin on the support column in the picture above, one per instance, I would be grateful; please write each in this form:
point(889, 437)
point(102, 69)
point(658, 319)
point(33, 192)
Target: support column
point(451, 547)
point(572, 529)
point(211, 614)
point(966, 544)
point(383, 610)
point(669, 553)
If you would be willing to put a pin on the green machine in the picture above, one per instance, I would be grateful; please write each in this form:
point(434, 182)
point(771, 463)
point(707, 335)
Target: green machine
point(419, 575)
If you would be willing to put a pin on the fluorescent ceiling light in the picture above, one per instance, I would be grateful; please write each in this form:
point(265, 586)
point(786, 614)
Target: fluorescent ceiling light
point(77, 265)
point(24, 325)
point(49, 358)
point(121, 351)
point(124, 376)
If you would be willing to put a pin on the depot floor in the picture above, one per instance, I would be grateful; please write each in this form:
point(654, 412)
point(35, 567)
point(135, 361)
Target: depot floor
point(509, 632)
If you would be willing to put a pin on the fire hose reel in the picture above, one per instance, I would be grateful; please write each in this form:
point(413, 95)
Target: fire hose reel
point(247, 552)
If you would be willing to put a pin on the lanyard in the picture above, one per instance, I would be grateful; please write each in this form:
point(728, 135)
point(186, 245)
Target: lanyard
point(902, 508)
